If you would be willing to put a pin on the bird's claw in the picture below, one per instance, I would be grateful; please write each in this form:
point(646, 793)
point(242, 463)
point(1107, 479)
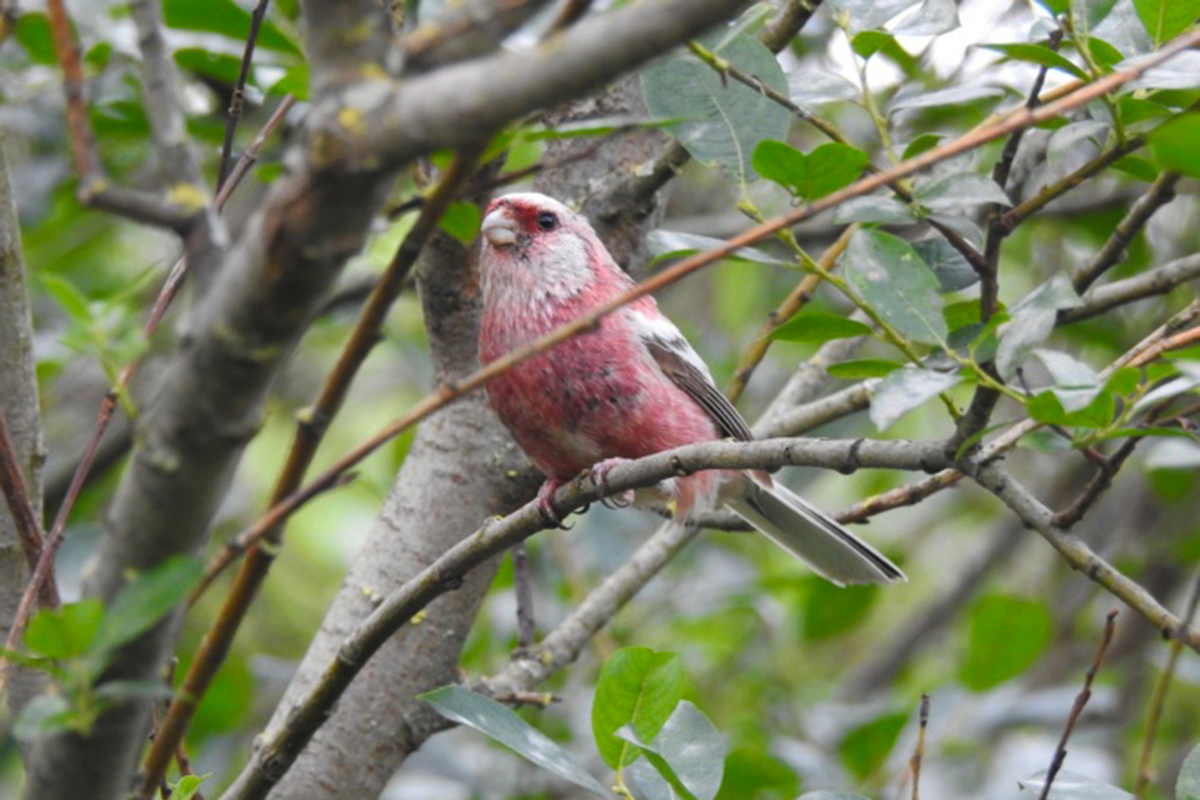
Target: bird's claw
point(600, 478)
point(545, 502)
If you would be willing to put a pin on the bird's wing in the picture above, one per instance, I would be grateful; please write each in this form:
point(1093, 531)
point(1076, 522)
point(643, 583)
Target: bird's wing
point(679, 362)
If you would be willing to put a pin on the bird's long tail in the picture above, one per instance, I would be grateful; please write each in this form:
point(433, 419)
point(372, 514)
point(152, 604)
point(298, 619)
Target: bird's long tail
point(811, 535)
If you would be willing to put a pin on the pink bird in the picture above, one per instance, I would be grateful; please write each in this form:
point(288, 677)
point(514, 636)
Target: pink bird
point(630, 388)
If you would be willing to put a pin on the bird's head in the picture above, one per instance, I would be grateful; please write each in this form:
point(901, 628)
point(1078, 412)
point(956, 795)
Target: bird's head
point(533, 241)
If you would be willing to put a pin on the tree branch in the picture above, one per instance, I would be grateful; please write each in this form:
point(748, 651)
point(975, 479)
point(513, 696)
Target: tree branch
point(1077, 554)
point(168, 126)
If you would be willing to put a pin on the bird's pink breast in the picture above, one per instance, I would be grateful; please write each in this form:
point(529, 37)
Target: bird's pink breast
point(596, 396)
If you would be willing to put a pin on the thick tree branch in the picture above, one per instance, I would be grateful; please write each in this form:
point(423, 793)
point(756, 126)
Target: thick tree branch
point(466, 102)
point(160, 79)
point(464, 31)
point(1148, 284)
point(19, 409)
point(1161, 192)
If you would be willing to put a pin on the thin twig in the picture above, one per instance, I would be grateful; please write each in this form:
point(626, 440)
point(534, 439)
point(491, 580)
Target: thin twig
point(914, 763)
point(523, 583)
point(1060, 752)
point(79, 126)
point(20, 506)
point(1162, 685)
point(795, 300)
point(1161, 192)
point(237, 98)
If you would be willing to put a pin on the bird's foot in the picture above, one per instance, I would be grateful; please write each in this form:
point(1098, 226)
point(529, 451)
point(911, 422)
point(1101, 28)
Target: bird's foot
point(545, 502)
point(600, 478)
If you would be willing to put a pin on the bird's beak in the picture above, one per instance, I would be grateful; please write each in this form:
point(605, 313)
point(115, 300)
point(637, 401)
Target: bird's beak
point(499, 228)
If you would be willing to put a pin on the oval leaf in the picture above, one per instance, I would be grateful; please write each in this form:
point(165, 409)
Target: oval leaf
point(723, 120)
point(637, 687)
point(818, 327)
point(1024, 626)
point(144, 601)
point(809, 176)
point(1188, 785)
point(962, 189)
point(890, 276)
point(688, 752)
point(858, 370)
point(500, 723)
point(904, 390)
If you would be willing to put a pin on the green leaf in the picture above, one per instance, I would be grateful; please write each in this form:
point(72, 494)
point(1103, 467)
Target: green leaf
point(294, 81)
point(960, 95)
point(831, 610)
point(878, 210)
point(1031, 321)
point(226, 18)
point(1187, 786)
point(74, 302)
point(906, 389)
point(858, 370)
point(1174, 144)
point(868, 43)
point(144, 601)
point(1124, 381)
point(637, 687)
point(1136, 167)
point(951, 267)
point(933, 18)
point(688, 752)
point(1075, 408)
point(34, 34)
point(500, 723)
point(889, 275)
point(222, 66)
point(724, 120)
point(65, 632)
point(461, 221)
point(45, 714)
point(1066, 370)
point(826, 169)
point(1038, 54)
point(1186, 381)
point(962, 189)
point(864, 748)
point(751, 773)
point(1163, 19)
point(1007, 634)
point(865, 14)
point(924, 142)
point(188, 786)
point(664, 244)
point(818, 327)
point(827, 795)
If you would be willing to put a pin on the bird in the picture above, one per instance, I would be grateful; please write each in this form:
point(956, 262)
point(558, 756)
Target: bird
point(629, 387)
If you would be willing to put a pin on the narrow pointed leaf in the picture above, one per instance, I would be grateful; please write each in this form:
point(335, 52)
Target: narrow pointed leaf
point(500, 723)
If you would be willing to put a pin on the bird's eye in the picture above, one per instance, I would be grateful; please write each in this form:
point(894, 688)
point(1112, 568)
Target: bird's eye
point(547, 220)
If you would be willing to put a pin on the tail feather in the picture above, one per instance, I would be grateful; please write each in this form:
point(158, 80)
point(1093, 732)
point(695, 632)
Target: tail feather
point(811, 535)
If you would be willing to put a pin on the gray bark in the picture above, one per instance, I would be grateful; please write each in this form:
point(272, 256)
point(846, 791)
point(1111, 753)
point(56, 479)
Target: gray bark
point(457, 473)
point(19, 402)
